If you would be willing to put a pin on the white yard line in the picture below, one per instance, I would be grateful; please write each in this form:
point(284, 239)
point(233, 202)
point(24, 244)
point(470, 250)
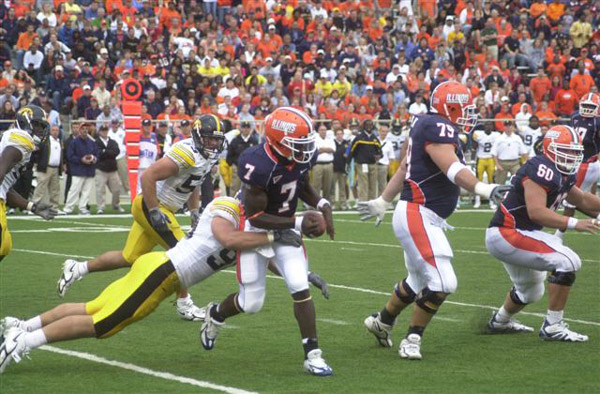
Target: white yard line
point(146, 371)
point(334, 322)
point(358, 289)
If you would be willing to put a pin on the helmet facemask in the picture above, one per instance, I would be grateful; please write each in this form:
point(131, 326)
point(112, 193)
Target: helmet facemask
point(301, 149)
point(567, 158)
point(468, 118)
point(588, 109)
point(209, 144)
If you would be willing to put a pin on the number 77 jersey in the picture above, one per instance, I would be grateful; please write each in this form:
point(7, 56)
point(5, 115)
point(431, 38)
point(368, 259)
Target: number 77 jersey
point(425, 183)
point(259, 166)
point(174, 191)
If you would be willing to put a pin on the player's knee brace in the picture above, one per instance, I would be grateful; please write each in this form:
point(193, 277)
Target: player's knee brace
point(430, 301)
point(515, 297)
point(527, 295)
point(562, 278)
point(408, 297)
point(302, 296)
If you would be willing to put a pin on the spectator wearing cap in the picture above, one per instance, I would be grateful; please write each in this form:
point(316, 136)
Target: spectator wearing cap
point(508, 152)
point(148, 151)
point(322, 173)
point(107, 171)
point(117, 133)
point(418, 107)
point(246, 139)
point(59, 87)
point(82, 155)
point(504, 116)
point(49, 163)
point(366, 151)
point(84, 101)
point(164, 137)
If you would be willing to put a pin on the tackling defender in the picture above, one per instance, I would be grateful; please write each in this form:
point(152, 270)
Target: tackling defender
point(431, 175)
point(29, 130)
point(274, 176)
point(586, 123)
point(515, 235)
point(152, 278)
point(166, 186)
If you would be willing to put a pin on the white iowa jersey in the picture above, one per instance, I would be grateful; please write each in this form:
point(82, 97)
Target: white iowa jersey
point(485, 143)
point(529, 137)
point(21, 140)
point(193, 167)
point(199, 255)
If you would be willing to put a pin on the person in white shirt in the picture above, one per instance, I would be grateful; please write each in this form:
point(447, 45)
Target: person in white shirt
point(418, 107)
point(522, 118)
point(508, 152)
point(484, 142)
point(101, 95)
point(49, 166)
point(33, 56)
point(117, 133)
point(322, 173)
point(393, 75)
point(531, 133)
point(387, 155)
point(229, 90)
point(148, 150)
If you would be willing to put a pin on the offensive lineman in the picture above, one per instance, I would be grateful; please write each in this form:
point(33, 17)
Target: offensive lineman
point(586, 123)
point(166, 186)
point(152, 278)
point(29, 131)
point(515, 235)
point(431, 175)
point(484, 141)
point(274, 176)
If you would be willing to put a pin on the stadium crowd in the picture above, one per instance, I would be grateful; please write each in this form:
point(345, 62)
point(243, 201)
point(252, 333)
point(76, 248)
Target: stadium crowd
point(357, 67)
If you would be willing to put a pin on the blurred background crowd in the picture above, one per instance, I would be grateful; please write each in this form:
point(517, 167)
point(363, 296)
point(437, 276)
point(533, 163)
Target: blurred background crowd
point(359, 68)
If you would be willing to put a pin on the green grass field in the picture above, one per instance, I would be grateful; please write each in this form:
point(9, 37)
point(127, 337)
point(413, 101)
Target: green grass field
point(262, 353)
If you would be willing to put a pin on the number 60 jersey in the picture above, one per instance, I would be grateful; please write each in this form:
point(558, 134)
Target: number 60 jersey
point(512, 213)
point(174, 191)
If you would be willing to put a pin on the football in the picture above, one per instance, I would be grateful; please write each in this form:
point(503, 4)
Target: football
point(311, 217)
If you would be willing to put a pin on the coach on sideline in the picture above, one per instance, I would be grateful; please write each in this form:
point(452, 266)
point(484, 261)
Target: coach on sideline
point(509, 152)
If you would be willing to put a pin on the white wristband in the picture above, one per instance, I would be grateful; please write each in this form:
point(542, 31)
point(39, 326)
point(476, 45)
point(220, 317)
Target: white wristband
point(572, 223)
point(270, 237)
point(30, 205)
point(323, 202)
point(484, 189)
point(598, 217)
point(454, 169)
point(298, 225)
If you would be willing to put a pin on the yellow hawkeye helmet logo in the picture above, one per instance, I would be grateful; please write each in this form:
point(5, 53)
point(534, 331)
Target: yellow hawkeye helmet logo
point(27, 112)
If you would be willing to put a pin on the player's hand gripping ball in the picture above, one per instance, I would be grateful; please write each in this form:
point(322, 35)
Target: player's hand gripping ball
point(313, 224)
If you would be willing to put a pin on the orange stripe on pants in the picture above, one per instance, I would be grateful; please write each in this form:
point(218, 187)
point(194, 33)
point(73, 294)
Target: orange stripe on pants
point(523, 242)
point(418, 233)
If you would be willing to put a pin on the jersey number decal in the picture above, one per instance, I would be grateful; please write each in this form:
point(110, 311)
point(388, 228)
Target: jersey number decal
point(189, 185)
point(581, 131)
point(250, 169)
point(528, 140)
point(545, 172)
point(445, 130)
point(225, 258)
point(289, 188)
point(487, 147)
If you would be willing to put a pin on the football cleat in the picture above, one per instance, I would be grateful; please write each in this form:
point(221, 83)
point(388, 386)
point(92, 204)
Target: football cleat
point(69, 276)
point(316, 365)
point(381, 330)
point(190, 312)
point(13, 347)
point(560, 332)
point(9, 322)
point(410, 347)
point(210, 329)
point(510, 327)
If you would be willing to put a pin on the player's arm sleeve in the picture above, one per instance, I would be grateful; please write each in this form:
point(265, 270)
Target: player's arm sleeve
point(181, 155)
point(227, 210)
point(22, 141)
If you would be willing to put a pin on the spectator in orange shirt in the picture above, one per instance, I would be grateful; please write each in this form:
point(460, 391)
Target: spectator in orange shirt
point(555, 10)
point(565, 100)
point(538, 8)
point(556, 68)
point(167, 15)
point(23, 43)
point(546, 116)
point(540, 85)
point(502, 116)
point(581, 82)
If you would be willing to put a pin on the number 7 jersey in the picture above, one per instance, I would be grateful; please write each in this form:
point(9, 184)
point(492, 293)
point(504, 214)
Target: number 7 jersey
point(425, 183)
point(173, 192)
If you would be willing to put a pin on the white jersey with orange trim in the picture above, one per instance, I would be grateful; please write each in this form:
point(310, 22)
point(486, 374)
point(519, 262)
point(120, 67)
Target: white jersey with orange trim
point(21, 140)
point(193, 167)
point(200, 254)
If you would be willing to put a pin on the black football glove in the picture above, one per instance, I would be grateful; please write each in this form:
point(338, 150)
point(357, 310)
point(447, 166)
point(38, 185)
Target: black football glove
point(500, 192)
point(287, 237)
point(195, 216)
point(159, 220)
point(44, 210)
point(319, 283)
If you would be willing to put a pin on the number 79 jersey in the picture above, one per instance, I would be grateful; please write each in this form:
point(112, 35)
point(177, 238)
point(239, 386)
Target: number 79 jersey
point(425, 183)
point(258, 166)
point(512, 213)
point(173, 192)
